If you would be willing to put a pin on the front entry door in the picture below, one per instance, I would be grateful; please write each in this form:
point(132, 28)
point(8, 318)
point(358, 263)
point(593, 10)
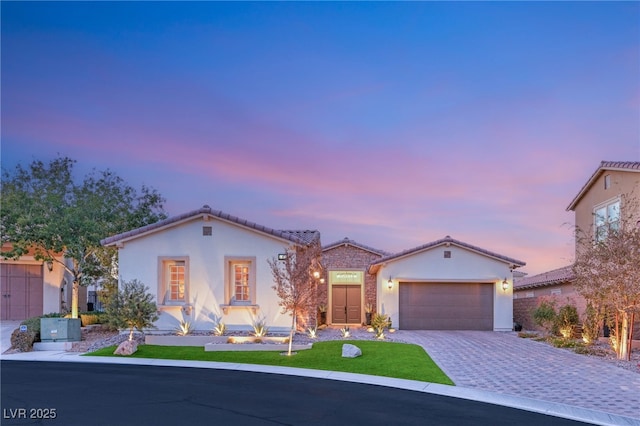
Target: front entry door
point(346, 304)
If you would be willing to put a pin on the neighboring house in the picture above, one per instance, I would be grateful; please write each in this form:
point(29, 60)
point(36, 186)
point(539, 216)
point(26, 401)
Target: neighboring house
point(554, 286)
point(349, 285)
point(610, 195)
point(31, 287)
point(206, 265)
point(446, 285)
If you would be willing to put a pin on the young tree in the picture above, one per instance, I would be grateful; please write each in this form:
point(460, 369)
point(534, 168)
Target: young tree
point(131, 307)
point(607, 273)
point(296, 279)
point(46, 211)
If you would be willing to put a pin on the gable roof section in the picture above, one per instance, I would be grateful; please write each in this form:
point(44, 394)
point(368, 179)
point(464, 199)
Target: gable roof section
point(305, 237)
point(556, 276)
point(347, 241)
point(373, 268)
point(625, 166)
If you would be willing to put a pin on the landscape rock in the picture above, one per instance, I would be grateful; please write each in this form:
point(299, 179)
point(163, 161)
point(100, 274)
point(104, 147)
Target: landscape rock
point(350, 351)
point(126, 348)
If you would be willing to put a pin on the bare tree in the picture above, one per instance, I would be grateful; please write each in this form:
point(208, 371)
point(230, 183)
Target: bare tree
point(607, 274)
point(296, 279)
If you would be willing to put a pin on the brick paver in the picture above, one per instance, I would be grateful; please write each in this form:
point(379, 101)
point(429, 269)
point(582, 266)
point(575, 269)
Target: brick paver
point(505, 363)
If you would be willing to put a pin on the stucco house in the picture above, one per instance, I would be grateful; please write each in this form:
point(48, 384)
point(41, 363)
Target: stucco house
point(206, 265)
point(446, 285)
point(609, 196)
point(32, 287)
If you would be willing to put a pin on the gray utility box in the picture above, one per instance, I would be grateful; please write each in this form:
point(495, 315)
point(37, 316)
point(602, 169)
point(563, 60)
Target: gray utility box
point(60, 329)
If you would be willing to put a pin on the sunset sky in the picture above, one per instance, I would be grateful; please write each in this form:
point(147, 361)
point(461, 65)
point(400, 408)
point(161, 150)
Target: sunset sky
point(393, 124)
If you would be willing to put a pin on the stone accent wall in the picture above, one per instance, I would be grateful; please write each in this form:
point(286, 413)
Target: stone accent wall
point(347, 256)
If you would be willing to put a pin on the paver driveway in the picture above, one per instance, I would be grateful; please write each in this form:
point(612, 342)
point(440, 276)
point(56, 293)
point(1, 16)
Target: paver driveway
point(505, 363)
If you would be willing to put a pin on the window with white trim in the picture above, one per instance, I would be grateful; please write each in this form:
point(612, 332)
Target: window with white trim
point(174, 280)
point(606, 217)
point(240, 280)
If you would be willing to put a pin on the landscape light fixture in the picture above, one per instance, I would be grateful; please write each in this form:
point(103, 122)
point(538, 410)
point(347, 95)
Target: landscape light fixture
point(390, 283)
point(505, 285)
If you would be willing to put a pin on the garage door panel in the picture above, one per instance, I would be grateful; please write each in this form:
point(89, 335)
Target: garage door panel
point(446, 306)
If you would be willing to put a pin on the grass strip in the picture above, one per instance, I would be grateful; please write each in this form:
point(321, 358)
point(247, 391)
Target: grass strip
point(388, 359)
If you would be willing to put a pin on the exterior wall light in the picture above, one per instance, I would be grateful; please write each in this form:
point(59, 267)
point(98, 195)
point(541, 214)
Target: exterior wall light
point(390, 283)
point(505, 285)
point(316, 275)
point(50, 265)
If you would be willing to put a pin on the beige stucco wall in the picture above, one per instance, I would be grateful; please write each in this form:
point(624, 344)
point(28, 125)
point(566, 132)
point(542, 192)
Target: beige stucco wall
point(139, 259)
point(463, 266)
point(622, 182)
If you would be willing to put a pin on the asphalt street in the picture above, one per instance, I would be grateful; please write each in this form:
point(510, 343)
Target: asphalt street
point(54, 393)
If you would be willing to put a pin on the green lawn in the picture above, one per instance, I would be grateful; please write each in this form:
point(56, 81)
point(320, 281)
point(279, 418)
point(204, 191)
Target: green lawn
point(388, 359)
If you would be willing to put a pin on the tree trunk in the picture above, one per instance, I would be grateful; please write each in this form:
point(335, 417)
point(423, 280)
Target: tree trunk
point(75, 289)
point(630, 337)
point(623, 352)
point(293, 326)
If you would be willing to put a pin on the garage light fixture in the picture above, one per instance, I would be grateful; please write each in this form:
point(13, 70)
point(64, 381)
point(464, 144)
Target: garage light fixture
point(390, 283)
point(505, 285)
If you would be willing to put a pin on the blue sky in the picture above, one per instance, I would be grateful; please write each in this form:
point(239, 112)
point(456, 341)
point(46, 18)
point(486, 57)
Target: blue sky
point(394, 124)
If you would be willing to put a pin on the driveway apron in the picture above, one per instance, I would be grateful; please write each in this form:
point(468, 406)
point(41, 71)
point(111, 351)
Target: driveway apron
point(505, 363)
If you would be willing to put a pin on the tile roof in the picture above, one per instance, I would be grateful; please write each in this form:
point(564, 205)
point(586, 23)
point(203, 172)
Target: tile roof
point(446, 240)
point(629, 166)
point(351, 242)
point(555, 276)
point(304, 237)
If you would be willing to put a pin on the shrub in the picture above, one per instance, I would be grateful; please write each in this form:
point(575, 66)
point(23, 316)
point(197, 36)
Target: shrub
point(591, 324)
point(545, 316)
point(89, 319)
point(131, 307)
point(566, 320)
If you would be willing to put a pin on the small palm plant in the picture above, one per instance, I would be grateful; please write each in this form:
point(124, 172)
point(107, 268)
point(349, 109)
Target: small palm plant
point(345, 332)
point(260, 328)
point(313, 332)
point(219, 329)
point(184, 328)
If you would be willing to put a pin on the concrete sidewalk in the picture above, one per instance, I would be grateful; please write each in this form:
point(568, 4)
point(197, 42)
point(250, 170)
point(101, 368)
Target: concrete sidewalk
point(486, 367)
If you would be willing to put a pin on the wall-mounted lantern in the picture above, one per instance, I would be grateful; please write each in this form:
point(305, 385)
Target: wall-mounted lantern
point(390, 283)
point(50, 265)
point(505, 285)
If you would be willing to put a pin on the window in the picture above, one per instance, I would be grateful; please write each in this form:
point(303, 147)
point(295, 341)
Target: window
point(174, 280)
point(607, 181)
point(240, 281)
point(556, 291)
point(447, 254)
point(607, 217)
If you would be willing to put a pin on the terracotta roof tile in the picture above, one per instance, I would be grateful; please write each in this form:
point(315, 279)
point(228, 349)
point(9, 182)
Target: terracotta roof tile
point(349, 241)
point(445, 240)
point(555, 276)
point(632, 166)
point(299, 237)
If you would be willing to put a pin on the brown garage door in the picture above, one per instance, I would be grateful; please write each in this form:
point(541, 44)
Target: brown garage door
point(21, 288)
point(446, 306)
